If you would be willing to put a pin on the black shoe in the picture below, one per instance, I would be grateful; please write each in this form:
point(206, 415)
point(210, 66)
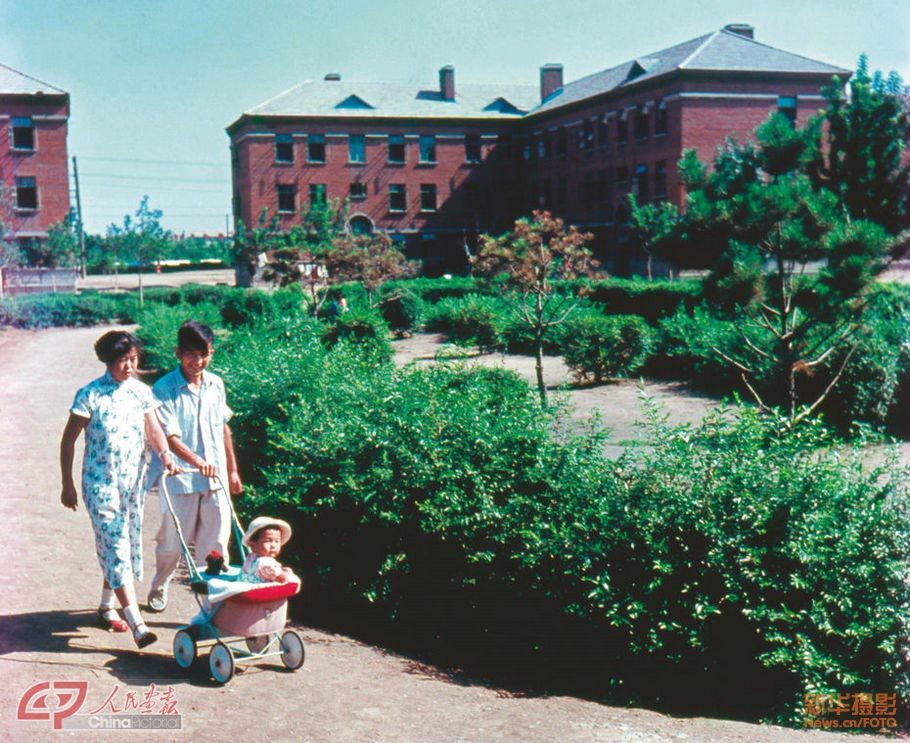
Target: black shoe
point(144, 637)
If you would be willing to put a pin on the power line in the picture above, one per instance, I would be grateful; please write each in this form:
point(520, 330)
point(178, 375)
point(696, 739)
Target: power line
point(155, 162)
point(176, 179)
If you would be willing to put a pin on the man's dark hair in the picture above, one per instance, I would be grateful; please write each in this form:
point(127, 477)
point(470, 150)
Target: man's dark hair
point(195, 336)
point(114, 344)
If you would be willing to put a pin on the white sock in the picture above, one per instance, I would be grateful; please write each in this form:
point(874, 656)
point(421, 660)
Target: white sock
point(107, 599)
point(133, 617)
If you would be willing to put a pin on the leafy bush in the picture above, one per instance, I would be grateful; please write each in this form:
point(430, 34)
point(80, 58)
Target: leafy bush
point(727, 567)
point(365, 329)
point(652, 300)
point(58, 310)
point(159, 324)
point(475, 320)
point(599, 348)
point(401, 309)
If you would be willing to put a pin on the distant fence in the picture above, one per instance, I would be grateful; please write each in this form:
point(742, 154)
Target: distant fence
point(15, 281)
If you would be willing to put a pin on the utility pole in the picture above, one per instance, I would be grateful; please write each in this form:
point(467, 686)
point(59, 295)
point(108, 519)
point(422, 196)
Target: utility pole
point(79, 219)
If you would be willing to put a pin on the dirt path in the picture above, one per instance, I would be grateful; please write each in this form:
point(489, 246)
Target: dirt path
point(346, 692)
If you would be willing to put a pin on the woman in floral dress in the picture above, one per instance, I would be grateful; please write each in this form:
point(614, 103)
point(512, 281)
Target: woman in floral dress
point(117, 413)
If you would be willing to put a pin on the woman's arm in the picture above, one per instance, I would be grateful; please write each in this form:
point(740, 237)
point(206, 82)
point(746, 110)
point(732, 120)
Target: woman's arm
point(74, 426)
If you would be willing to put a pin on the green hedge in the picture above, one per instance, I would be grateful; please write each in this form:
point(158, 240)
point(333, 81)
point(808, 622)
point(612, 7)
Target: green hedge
point(728, 567)
point(61, 310)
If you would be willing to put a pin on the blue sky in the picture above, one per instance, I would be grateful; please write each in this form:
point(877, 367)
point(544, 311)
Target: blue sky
point(153, 84)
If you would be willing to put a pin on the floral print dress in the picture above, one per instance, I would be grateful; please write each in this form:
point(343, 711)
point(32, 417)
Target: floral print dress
point(113, 471)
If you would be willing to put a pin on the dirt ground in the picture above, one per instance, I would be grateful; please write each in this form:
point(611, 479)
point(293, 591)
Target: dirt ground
point(346, 692)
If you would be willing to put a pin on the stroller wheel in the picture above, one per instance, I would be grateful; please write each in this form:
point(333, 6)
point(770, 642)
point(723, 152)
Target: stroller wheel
point(184, 649)
point(292, 653)
point(221, 663)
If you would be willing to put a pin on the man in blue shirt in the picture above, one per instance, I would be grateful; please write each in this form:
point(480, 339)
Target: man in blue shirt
point(194, 414)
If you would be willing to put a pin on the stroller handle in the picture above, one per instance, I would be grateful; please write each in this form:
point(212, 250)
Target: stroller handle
point(219, 491)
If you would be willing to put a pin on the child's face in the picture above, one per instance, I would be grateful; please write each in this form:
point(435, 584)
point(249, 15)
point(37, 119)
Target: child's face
point(123, 367)
point(268, 544)
point(192, 361)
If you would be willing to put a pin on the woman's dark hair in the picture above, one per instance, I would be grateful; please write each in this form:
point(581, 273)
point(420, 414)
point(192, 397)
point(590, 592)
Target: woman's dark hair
point(114, 344)
point(195, 336)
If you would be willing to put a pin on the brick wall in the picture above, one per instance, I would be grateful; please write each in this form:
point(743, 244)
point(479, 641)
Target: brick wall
point(47, 163)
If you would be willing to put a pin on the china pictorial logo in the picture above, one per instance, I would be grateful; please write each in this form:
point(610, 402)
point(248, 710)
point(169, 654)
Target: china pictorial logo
point(61, 702)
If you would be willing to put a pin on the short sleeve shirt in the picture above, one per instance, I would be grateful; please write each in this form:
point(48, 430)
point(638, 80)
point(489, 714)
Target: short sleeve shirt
point(114, 434)
point(198, 417)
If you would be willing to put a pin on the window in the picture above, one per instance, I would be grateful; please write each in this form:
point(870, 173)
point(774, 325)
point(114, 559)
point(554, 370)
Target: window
point(428, 197)
point(622, 174)
point(547, 139)
point(317, 193)
point(358, 190)
point(427, 148)
point(642, 123)
point(603, 187)
point(357, 148)
point(561, 142)
point(622, 128)
point(504, 147)
point(542, 145)
point(562, 191)
point(398, 199)
point(23, 134)
point(603, 131)
point(642, 185)
point(660, 178)
point(586, 136)
point(284, 148)
point(396, 148)
point(315, 148)
point(660, 119)
point(287, 197)
point(786, 105)
point(586, 190)
point(526, 148)
point(26, 193)
point(472, 153)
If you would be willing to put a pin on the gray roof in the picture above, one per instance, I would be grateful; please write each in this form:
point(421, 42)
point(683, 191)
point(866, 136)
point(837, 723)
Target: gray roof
point(722, 50)
point(13, 82)
point(327, 98)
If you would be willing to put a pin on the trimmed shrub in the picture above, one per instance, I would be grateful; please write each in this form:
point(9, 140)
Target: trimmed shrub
point(473, 320)
point(58, 310)
point(598, 348)
point(366, 330)
point(652, 300)
point(401, 309)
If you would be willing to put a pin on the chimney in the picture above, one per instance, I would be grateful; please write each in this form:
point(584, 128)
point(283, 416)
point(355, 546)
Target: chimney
point(743, 29)
point(334, 77)
point(550, 80)
point(447, 82)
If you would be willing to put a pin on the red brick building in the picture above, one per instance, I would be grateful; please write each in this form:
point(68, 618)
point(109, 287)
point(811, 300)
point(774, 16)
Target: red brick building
point(33, 155)
point(436, 167)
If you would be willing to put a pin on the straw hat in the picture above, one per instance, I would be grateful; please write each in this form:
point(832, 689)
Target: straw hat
point(263, 522)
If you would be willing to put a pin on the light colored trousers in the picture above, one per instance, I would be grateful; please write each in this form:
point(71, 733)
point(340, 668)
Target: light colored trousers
point(205, 520)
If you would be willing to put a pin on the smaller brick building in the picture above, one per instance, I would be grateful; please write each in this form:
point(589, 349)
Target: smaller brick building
point(434, 167)
point(33, 155)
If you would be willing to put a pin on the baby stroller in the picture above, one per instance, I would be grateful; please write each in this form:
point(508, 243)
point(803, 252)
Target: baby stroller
point(238, 621)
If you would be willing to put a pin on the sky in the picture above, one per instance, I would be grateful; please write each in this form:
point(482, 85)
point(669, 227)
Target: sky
point(154, 83)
